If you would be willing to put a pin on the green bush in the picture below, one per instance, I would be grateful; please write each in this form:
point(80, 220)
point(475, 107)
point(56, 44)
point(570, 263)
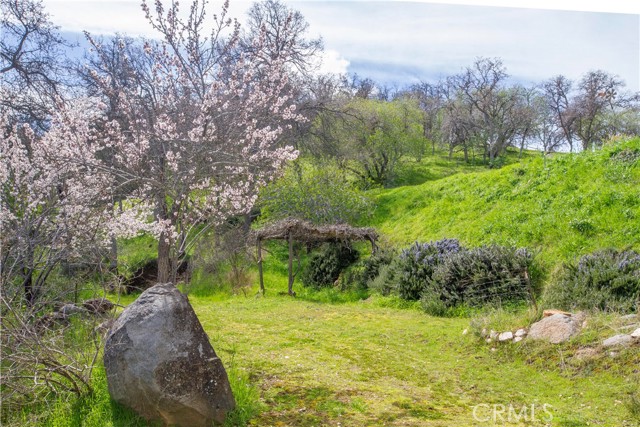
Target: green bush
point(487, 275)
point(322, 195)
point(325, 265)
point(384, 283)
point(372, 266)
point(607, 280)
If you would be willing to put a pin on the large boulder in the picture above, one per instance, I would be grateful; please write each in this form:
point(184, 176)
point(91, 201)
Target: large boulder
point(556, 328)
point(160, 363)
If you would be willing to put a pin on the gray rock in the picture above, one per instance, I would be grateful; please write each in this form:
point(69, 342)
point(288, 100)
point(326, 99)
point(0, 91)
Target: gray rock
point(555, 329)
point(493, 335)
point(69, 309)
point(505, 336)
point(98, 305)
point(521, 333)
point(631, 317)
point(159, 362)
point(518, 339)
point(620, 340)
point(636, 334)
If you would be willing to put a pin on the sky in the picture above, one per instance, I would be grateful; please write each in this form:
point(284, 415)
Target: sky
point(397, 43)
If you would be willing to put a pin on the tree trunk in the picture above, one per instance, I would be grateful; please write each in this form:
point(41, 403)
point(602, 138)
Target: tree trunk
point(113, 255)
point(164, 260)
point(260, 267)
point(291, 264)
point(27, 284)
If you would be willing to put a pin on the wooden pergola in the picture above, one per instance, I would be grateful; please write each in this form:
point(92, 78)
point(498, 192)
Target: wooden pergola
point(293, 230)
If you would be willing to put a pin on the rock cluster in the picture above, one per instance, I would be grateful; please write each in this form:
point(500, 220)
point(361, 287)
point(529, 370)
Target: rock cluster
point(558, 326)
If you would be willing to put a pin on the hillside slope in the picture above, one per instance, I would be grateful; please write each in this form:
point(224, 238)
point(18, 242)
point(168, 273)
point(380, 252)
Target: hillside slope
point(572, 205)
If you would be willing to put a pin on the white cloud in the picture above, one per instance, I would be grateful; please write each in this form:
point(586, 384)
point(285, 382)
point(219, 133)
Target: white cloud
point(420, 38)
point(101, 17)
point(617, 6)
point(333, 63)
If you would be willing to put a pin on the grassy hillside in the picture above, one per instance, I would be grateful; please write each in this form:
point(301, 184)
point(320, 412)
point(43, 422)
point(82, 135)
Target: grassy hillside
point(567, 206)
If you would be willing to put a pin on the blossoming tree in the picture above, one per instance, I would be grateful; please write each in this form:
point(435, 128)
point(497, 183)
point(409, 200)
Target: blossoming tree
point(195, 127)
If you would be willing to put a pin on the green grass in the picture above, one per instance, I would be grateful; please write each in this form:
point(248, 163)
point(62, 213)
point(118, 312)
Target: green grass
point(302, 363)
point(570, 206)
point(362, 364)
point(316, 360)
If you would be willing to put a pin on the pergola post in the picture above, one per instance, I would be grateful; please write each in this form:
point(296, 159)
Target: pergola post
point(260, 266)
point(305, 232)
point(290, 263)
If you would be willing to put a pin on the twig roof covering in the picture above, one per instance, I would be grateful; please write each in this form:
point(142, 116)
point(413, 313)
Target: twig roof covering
point(303, 231)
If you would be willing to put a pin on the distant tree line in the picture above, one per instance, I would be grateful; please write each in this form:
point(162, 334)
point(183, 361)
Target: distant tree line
point(369, 129)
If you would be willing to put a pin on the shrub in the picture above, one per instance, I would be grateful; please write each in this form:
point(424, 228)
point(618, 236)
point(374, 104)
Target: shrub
point(478, 277)
point(372, 266)
point(606, 280)
point(384, 283)
point(325, 266)
point(319, 195)
point(416, 264)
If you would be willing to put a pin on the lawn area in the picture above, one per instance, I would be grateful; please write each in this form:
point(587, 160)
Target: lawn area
point(360, 364)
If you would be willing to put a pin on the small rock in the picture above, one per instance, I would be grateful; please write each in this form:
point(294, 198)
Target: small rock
point(629, 317)
point(620, 340)
point(555, 329)
point(636, 334)
point(488, 340)
point(98, 305)
point(484, 332)
point(465, 332)
point(493, 334)
point(505, 336)
point(518, 339)
point(69, 309)
point(521, 333)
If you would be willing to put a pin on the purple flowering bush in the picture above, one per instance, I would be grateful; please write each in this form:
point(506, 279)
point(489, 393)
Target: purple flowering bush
point(483, 276)
point(416, 264)
point(607, 280)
